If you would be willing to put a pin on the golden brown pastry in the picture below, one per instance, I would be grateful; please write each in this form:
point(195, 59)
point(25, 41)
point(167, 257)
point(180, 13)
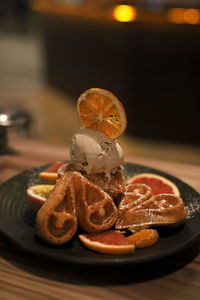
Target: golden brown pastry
point(96, 210)
point(114, 184)
point(138, 209)
point(74, 200)
point(56, 220)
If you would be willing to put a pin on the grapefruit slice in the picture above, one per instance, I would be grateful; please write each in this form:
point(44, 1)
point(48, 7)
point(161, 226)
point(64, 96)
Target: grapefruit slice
point(100, 110)
point(107, 242)
point(144, 238)
point(158, 184)
point(37, 194)
point(51, 172)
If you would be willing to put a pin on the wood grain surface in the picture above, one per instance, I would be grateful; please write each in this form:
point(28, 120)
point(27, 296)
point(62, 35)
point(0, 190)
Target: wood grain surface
point(25, 276)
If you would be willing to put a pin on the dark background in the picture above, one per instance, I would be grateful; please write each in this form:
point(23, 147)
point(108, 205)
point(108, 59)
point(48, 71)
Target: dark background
point(153, 68)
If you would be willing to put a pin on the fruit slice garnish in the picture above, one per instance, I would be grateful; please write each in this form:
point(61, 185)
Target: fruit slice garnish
point(158, 184)
point(108, 242)
point(51, 172)
point(100, 110)
point(37, 194)
point(144, 238)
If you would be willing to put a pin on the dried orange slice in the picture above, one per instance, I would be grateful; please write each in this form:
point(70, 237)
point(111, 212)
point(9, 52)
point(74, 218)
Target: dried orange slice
point(158, 184)
point(100, 110)
point(50, 173)
point(108, 242)
point(37, 194)
point(144, 238)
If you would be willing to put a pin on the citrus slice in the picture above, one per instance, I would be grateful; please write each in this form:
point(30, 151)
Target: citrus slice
point(37, 194)
point(51, 172)
point(108, 242)
point(158, 184)
point(144, 238)
point(100, 110)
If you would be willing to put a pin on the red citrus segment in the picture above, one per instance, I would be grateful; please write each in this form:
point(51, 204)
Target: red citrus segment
point(144, 238)
point(158, 184)
point(108, 242)
point(54, 167)
point(155, 184)
point(51, 172)
point(108, 238)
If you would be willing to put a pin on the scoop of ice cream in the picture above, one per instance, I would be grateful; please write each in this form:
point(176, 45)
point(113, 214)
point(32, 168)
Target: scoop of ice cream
point(91, 151)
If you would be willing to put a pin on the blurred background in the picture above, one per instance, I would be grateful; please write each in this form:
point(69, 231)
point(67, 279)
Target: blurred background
point(145, 51)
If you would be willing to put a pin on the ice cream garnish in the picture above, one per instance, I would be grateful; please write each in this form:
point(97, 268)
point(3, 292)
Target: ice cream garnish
point(100, 110)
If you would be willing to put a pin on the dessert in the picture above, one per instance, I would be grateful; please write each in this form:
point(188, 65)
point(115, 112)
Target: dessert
point(158, 184)
point(37, 195)
point(92, 152)
point(108, 242)
point(50, 173)
point(114, 184)
point(74, 200)
point(95, 209)
point(144, 238)
point(56, 220)
point(100, 110)
point(100, 160)
point(90, 192)
point(138, 209)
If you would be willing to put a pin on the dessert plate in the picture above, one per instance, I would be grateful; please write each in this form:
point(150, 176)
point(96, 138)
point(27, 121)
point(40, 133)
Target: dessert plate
point(17, 222)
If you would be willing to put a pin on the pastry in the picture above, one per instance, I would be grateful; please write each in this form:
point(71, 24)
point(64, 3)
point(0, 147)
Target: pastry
point(95, 209)
point(74, 201)
point(56, 220)
point(114, 184)
point(138, 209)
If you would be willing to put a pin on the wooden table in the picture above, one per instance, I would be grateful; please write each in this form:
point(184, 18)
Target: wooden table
point(25, 276)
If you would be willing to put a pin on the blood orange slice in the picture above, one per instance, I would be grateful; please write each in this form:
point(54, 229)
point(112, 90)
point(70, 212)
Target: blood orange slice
point(144, 238)
point(51, 172)
point(100, 110)
point(158, 184)
point(37, 194)
point(108, 242)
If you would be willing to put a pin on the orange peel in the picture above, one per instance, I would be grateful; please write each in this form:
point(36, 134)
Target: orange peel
point(144, 238)
point(100, 110)
point(109, 242)
point(158, 183)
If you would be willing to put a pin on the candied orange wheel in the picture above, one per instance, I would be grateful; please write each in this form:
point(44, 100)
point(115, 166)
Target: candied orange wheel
point(100, 110)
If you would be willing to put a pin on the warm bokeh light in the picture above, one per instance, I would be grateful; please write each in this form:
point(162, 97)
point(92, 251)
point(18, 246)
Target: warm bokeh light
point(176, 15)
point(121, 13)
point(124, 13)
point(181, 16)
point(191, 16)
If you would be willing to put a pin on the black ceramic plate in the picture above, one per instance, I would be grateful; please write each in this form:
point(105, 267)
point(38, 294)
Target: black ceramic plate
point(17, 223)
